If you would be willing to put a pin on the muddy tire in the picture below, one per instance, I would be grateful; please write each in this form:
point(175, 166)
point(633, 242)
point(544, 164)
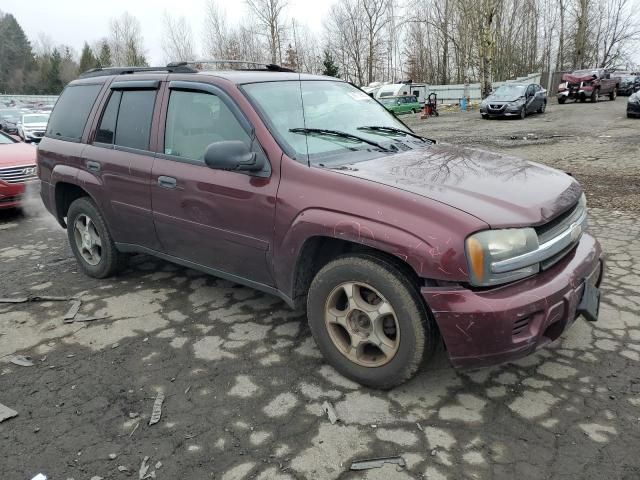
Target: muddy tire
point(542, 108)
point(523, 113)
point(594, 96)
point(90, 240)
point(369, 321)
point(614, 94)
point(561, 100)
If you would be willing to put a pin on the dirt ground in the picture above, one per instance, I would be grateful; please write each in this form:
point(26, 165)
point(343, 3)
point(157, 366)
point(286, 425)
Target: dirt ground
point(244, 383)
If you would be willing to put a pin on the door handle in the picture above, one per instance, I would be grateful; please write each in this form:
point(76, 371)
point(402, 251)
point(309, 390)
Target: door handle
point(167, 182)
point(93, 166)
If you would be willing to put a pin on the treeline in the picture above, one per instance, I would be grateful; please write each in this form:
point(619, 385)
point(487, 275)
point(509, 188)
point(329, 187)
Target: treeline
point(45, 68)
point(432, 41)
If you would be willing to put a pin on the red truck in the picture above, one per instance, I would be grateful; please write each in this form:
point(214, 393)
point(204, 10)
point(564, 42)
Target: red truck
point(305, 187)
point(588, 84)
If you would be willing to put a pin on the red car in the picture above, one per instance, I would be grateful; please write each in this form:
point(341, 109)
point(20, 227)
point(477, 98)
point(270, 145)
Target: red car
point(17, 167)
point(305, 187)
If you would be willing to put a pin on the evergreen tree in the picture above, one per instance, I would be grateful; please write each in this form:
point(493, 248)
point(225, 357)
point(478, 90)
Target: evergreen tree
point(53, 83)
point(330, 67)
point(104, 58)
point(87, 59)
point(291, 58)
point(16, 56)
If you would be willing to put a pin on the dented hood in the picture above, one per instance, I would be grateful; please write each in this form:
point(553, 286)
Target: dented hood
point(567, 77)
point(501, 190)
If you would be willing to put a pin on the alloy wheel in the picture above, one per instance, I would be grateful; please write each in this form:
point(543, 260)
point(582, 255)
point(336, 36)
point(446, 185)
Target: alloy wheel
point(362, 324)
point(87, 239)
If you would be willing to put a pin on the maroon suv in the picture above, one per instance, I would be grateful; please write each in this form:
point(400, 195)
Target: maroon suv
point(305, 187)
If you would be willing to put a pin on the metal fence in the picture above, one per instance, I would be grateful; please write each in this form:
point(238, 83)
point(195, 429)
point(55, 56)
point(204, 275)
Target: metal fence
point(453, 93)
point(28, 99)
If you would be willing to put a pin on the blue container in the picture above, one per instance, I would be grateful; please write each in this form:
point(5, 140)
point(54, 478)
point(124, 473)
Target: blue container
point(463, 104)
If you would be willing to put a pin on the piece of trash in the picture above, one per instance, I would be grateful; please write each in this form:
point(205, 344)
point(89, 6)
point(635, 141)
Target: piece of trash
point(96, 478)
point(112, 456)
point(14, 300)
point(434, 452)
point(115, 345)
point(80, 318)
point(377, 463)
point(122, 468)
point(419, 427)
point(39, 476)
point(22, 361)
point(186, 390)
point(373, 425)
point(134, 415)
point(34, 298)
point(330, 411)
point(36, 429)
point(134, 429)
point(73, 310)
point(158, 465)
point(144, 468)
point(6, 413)
point(156, 412)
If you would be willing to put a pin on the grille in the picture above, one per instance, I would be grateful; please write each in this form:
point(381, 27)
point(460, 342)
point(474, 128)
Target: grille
point(559, 224)
point(496, 106)
point(18, 174)
point(521, 325)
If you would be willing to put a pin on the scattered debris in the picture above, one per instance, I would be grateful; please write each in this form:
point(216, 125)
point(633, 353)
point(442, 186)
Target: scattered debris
point(39, 476)
point(134, 415)
point(84, 319)
point(158, 465)
point(34, 298)
point(112, 456)
point(96, 478)
point(36, 429)
point(22, 361)
point(377, 463)
point(73, 310)
point(14, 300)
point(186, 390)
point(122, 468)
point(134, 429)
point(434, 452)
point(144, 468)
point(327, 407)
point(115, 345)
point(419, 427)
point(156, 413)
point(6, 413)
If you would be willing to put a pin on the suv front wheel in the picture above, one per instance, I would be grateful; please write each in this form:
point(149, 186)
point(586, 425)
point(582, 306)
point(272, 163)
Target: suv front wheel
point(90, 240)
point(369, 321)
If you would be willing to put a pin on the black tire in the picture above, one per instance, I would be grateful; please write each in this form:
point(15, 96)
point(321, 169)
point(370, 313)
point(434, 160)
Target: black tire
point(110, 258)
point(561, 100)
point(543, 107)
point(594, 96)
point(614, 94)
point(417, 330)
point(523, 113)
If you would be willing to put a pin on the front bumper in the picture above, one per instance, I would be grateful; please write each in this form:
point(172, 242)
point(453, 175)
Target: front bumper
point(581, 94)
point(32, 136)
point(483, 328)
point(633, 108)
point(11, 194)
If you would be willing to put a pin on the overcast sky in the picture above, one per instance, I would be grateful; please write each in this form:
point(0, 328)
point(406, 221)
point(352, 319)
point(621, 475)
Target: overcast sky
point(71, 22)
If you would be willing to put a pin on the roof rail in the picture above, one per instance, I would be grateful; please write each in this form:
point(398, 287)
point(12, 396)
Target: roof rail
point(265, 66)
point(99, 72)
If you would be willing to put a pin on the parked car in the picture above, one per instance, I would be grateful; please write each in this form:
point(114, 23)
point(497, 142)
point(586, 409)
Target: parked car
point(514, 100)
point(628, 84)
point(304, 187)
point(399, 105)
point(17, 168)
point(9, 119)
point(588, 84)
point(418, 90)
point(32, 126)
point(633, 105)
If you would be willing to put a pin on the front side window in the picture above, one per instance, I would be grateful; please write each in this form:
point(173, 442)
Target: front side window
point(320, 104)
point(71, 112)
point(195, 120)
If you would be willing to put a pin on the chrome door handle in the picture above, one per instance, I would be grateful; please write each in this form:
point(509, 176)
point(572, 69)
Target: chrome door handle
point(167, 182)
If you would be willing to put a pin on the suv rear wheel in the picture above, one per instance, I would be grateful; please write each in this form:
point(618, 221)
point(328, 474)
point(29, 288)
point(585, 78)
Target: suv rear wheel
point(90, 240)
point(369, 321)
point(613, 94)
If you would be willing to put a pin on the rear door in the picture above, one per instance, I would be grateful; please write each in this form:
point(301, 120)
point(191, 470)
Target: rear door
point(222, 220)
point(120, 156)
point(530, 99)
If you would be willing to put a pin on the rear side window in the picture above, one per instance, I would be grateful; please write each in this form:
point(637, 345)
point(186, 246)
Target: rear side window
point(126, 120)
point(71, 112)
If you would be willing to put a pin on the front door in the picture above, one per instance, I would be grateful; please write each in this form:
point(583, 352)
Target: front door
point(218, 219)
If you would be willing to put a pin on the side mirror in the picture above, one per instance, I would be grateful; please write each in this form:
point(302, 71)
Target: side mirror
point(232, 155)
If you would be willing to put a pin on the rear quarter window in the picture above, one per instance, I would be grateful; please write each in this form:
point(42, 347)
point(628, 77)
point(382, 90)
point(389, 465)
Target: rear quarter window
point(71, 112)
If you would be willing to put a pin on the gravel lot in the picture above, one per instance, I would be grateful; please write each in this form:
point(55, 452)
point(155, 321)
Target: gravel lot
point(244, 383)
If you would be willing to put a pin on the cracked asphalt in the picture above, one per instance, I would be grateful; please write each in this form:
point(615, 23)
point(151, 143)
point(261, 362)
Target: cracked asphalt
point(244, 383)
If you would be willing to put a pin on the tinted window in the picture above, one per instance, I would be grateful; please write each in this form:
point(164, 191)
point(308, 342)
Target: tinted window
point(71, 112)
point(195, 120)
point(134, 118)
point(107, 127)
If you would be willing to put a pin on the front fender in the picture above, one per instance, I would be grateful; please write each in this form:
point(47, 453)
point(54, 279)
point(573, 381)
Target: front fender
point(434, 257)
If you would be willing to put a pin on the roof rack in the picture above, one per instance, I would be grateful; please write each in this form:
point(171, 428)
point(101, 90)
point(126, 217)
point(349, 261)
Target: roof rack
point(171, 68)
point(264, 66)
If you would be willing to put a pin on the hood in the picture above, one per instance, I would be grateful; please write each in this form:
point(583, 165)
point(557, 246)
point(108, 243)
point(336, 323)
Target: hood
point(493, 98)
point(17, 154)
point(501, 190)
point(567, 77)
point(33, 126)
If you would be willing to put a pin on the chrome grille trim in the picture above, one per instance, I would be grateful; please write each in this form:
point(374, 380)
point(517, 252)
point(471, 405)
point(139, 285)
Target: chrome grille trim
point(19, 174)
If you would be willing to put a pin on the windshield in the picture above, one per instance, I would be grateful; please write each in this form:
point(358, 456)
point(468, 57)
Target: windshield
point(387, 101)
point(320, 104)
point(35, 119)
point(510, 91)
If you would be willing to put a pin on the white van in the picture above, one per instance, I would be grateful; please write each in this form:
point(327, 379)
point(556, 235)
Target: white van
point(399, 89)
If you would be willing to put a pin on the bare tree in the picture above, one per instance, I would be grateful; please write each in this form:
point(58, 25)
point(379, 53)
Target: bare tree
point(270, 15)
point(177, 39)
point(126, 42)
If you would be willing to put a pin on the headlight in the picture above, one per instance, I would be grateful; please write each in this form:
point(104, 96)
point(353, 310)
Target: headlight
point(485, 248)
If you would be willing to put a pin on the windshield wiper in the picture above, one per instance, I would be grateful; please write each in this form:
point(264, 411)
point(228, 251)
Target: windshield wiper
point(339, 134)
point(375, 128)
